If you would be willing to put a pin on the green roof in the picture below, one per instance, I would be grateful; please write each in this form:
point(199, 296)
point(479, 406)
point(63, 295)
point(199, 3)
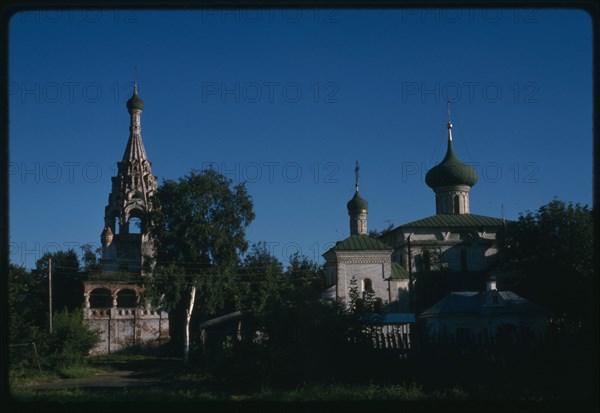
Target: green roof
point(398, 272)
point(357, 203)
point(135, 102)
point(450, 172)
point(455, 220)
point(360, 242)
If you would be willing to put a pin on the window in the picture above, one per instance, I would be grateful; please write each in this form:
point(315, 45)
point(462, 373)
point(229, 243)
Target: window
point(456, 203)
point(426, 261)
point(126, 299)
point(367, 285)
point(100, 298)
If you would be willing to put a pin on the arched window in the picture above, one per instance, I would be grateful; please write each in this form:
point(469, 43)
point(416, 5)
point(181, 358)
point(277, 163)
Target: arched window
point(100, 298)
point(126, 299)
point(367, 284)
point(456, 204)
point(426, 261)
point(135, 225)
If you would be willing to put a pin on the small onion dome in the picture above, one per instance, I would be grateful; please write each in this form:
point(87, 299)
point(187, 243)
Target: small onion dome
point(107, 236)
point(357, 203)
point(451, 171)
point(135, 103)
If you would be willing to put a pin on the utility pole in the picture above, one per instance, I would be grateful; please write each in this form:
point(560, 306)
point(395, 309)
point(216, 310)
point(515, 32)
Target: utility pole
point(410, 277)
point(50, 290)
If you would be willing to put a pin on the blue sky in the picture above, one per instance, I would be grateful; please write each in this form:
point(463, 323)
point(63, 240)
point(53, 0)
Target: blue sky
point(287, 101)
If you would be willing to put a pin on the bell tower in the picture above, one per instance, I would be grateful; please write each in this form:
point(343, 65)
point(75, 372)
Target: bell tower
point(126, 245)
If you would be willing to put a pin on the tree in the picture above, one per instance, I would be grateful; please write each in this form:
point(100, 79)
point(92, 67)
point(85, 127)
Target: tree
point(550, 251)
point(198, 226)
point(67, 286)
point(259, 277)
point(379, 233)
point(23, 310)
point(91, 258)
point(71, 340)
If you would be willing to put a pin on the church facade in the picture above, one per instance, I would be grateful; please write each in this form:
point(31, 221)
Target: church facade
point(454, 244)
point(112, 297)
point(365, 263)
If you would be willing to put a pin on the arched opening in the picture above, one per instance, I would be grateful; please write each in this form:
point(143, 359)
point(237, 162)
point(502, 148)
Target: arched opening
point(116, 225)
point(136, 221)
point(367, 285)
point(426, 261)
point(135, 225)
point(456, 204)
point(126, 299)
point(100, 298)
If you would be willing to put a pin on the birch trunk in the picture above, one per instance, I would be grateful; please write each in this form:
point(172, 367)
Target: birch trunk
point(188, 317)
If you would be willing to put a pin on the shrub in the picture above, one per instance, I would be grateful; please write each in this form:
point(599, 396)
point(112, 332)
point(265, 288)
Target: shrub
point(71, 340)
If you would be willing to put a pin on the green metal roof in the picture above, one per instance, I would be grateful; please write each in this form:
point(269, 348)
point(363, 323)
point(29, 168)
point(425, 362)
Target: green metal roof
point(450, 172)
point(455, 220)
point(398, 272)
point(360, 242)
point(357, 203)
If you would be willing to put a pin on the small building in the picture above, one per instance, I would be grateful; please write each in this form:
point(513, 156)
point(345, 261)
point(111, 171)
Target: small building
point(492, 314)
point(217, 332)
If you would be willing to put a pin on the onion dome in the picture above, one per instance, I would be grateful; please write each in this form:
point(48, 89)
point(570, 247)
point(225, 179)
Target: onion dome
point(107, 236)
point(357, 203)
point(451, 171)
point(135, 103)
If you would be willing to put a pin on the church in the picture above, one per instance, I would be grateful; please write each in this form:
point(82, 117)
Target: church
point(112, 297)
point(457, 246)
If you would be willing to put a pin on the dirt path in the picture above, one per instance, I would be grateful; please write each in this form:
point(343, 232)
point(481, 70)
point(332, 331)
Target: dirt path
point(134, 375)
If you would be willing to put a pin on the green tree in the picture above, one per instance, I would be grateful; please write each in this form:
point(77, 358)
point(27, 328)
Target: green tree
point(198, 225)
point(259, 277)
point(67, 285)
point(91, 258)
point(23, 310)
point(550, 251)
point(379, 233)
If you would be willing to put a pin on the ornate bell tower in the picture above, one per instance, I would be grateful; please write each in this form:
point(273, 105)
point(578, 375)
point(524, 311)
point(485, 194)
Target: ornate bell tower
point(126, 245)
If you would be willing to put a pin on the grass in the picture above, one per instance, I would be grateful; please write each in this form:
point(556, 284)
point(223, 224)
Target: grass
point(180, 384)
point(336, 392)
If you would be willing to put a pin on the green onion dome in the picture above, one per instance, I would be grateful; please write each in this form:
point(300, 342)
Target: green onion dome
point(135, 102)
point(357, 203)
point(451, 171)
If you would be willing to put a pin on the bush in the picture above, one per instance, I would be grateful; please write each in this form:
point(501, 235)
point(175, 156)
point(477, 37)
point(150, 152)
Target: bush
point(71, 340)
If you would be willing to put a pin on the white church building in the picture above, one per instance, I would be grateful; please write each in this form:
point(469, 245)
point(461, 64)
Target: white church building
point(453, 241)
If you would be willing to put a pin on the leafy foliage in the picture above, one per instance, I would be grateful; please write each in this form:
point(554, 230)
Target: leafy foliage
point(198, 227)
point(71, 340)
point(550, 251)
